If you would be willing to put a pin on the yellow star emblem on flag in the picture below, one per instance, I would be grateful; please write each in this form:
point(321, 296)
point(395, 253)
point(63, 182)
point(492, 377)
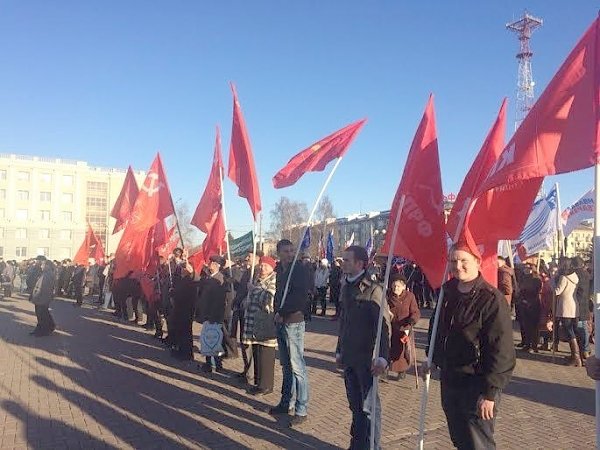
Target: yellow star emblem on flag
point(315, 148)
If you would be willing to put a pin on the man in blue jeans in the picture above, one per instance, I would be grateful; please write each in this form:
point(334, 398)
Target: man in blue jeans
point(289, 318)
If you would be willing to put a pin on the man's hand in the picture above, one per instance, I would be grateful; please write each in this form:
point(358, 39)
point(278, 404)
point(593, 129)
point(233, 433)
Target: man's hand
point(592, 366)
point(278, 318)
point(485, 408)
point(424, 370)
point(378, 366)
point(338, 361)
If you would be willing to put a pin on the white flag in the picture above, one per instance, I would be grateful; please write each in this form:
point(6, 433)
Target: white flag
point(350, 241)
point(582, 209)
point(540, 228)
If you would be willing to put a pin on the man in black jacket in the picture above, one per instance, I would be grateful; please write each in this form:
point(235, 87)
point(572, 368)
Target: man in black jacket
point(290, 307)
point(584, 302)
point(474, 351)
point(361, 300)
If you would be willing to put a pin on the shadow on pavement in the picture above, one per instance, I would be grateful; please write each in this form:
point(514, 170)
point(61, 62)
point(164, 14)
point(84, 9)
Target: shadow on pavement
point(138, 392)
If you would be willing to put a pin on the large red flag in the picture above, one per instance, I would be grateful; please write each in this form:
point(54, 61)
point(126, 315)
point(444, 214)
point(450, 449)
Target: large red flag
point(90, 248)
point(214, 242)
point(241, 161)
point(124, 204)
point(153, 205)
point(318, 155)
point(560, 133)
point(421, 235)
point(210, 203)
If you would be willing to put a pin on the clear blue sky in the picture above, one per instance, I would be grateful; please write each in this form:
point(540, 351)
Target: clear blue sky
point(111, 82)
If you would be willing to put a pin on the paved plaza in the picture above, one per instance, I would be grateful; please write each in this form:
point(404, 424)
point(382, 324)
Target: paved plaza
point(100, 383)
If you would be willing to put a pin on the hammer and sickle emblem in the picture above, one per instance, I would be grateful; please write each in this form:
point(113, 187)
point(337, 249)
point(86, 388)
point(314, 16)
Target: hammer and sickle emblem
point(155, 185)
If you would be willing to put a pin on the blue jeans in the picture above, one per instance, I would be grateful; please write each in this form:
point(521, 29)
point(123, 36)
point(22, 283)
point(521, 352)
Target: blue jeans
point(583, 335)
point(290, 339)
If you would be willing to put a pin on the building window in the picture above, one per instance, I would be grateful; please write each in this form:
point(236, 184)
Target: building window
point(22, 175)
point(1, 233)
point(1, 251)
point(44, 214)
point(67, 180)
point(44, 233)
point(21, 252)
point(67, 197)
point(46, 177)
point(65, 235)
point(67, 216)
point(2, 175)
point(45, 196)
point(20, 233)
point(2, 194)
point(21, 214)
point(22, 195)
point(96, 203)
point(44, 251)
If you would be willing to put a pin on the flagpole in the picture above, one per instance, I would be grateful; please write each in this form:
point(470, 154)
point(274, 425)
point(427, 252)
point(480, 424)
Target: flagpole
point(253, 252)
point(312, 213)
point(596, 261)
point(177, 222)
point(225, 224)
point(559, 229)
point(388, 269)
point(434, 328)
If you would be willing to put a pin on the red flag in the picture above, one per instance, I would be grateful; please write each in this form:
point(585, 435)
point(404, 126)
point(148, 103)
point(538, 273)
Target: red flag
point(124, 204)
point(560, 133)
point(210, 203)
point(318, 155)
point(197, 260)
point(241, 162)
point(214, 242)
point(139, 239)
point(421, 235)
point(171, 243)
point(90, 248)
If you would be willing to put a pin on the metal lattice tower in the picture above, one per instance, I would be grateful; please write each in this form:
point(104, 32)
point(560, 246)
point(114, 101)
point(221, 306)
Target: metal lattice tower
point(524, 28)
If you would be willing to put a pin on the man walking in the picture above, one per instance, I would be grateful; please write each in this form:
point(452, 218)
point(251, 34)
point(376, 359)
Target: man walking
point(361, 300)
point(321, 281)
point(289, 318)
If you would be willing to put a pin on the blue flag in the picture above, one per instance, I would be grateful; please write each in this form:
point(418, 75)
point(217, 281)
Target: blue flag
point(329, 251)
point(305, 244)
point(369, 246)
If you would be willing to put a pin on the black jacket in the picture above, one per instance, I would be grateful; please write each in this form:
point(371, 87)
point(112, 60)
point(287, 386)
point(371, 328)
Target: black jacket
point(210, 306)
point(361, 301)
point(297, 296)
point(583, 294)
point(474, 343)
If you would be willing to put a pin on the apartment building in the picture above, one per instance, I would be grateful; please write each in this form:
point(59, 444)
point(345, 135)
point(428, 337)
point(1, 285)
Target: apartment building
point(45, 204)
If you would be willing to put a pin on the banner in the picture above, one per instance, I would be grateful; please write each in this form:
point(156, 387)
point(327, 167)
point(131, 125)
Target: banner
point(241, 246)
point(540, 229)
point(582, 209)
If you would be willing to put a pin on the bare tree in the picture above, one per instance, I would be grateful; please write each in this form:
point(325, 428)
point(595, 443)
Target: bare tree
point(325, 209)
point(285, 214)
point(190, 234)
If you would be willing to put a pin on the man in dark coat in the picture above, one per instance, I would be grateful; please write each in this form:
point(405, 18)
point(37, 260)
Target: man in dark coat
point(362, 300)
point(585, 304)
point(211, 303)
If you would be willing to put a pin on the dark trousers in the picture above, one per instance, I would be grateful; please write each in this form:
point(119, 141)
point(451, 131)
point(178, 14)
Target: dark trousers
point(237, 323)
point(467, 430)
point(45, 321)
point(79, 294)
point(530, 323)
point(218, 361)
point(358, 381)
point(334, 296)
point(320, 297)
point(264, 366)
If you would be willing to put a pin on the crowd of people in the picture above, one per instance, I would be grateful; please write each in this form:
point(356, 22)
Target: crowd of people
point(259, 305)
